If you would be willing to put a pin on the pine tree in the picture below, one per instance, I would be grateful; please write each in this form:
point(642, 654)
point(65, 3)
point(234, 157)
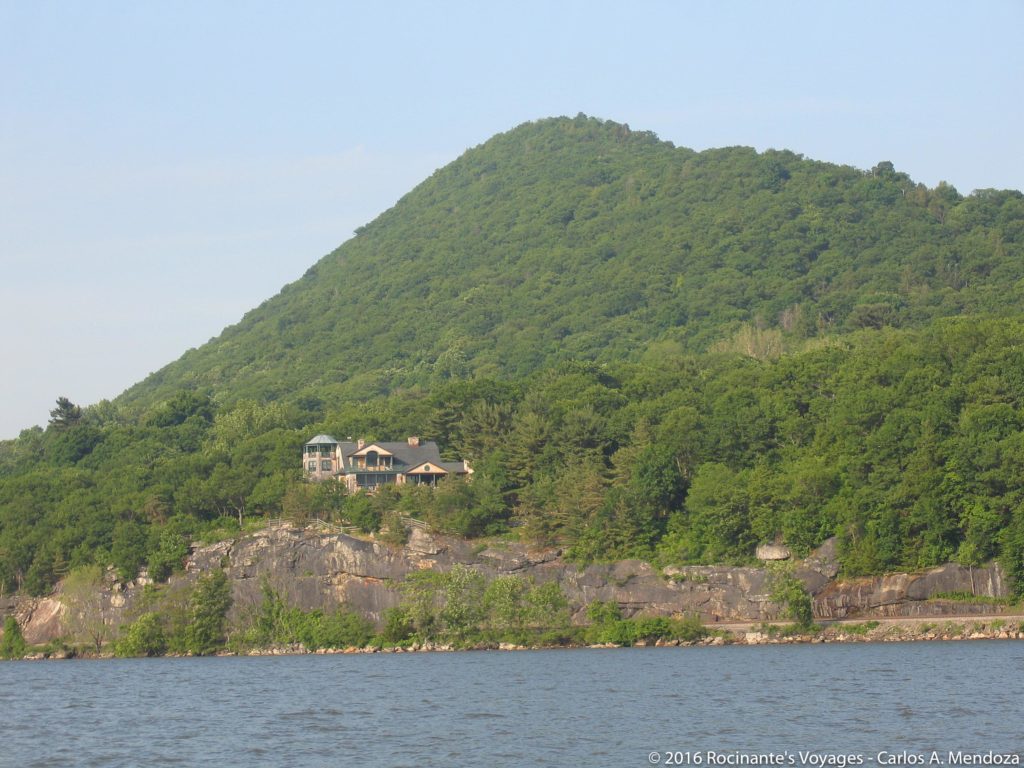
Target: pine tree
point(65, 415)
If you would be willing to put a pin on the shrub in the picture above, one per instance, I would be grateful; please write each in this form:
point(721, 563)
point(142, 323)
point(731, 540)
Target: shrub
point(601, 612)
point(143, 637)
point(170, 553)
point(394, 530)
point(359, 510)
point(860, 629)
point(398, 626)
point(789, 591)
point(277, 623)
point(340, 629)
point(128, 549)
point(608, 627)
point(12, 644)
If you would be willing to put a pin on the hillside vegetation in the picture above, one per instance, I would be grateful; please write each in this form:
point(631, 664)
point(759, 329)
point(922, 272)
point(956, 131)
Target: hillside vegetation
point(644, 351)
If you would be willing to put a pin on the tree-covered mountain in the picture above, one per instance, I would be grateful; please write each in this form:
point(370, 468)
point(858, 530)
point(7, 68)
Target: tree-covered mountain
point(643, 350)
point(581, 239)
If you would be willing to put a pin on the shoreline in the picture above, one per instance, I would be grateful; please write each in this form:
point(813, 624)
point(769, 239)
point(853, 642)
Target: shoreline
point(941, 629)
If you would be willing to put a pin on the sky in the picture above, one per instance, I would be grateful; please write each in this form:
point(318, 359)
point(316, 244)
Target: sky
point(165, 167)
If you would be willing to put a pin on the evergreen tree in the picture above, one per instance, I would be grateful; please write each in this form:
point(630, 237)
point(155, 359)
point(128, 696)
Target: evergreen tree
point(65, 415)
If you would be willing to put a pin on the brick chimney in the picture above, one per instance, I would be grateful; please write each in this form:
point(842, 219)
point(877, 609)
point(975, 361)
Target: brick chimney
point(360, 444)
point(414, 442)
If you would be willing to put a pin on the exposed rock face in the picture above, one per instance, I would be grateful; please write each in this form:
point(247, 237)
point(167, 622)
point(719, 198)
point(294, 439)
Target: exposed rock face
point(772, 552)
point(316, 570)
point(902, 594)
point(41, 619)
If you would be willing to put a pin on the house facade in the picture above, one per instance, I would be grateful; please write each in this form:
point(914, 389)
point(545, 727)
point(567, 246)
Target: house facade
point(365, 466)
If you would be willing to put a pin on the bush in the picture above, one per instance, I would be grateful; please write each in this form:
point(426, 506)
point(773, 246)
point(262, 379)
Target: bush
point(128, 549)
point(12, 644)
point(340, 629)
point(600, 612)
point(789, 591)
point(393, 530)
point(143, 637)
point(861, 628)
point(359, 510)
point(608, 627)
point(170, 553)
point(398, 626)
point(276, 623)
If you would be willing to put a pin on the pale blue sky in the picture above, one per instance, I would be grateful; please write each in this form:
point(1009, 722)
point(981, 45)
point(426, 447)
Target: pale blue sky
point(166, 167)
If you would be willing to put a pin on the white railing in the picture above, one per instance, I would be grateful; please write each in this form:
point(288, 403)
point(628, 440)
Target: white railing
point(329, 527)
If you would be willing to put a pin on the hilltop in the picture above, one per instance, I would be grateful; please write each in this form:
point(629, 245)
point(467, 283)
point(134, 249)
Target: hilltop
point(644, 351)
point(577, 239)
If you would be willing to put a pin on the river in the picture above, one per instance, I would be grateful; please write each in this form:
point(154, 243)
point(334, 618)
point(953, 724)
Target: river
point(566, 708)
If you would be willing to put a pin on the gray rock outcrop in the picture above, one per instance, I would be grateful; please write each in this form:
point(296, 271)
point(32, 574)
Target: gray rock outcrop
point(317, 570)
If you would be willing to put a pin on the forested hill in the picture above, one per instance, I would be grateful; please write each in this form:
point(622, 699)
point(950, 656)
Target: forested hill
point(581, 239)
point(644, 351)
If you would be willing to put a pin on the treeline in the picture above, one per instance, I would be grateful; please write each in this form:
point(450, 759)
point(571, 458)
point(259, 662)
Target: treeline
point(905, 444)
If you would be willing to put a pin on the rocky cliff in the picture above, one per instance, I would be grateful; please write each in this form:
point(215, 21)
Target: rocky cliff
point(318, 570)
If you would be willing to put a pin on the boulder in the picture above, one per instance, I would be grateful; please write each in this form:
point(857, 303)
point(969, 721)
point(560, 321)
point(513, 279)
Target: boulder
point(772, 552)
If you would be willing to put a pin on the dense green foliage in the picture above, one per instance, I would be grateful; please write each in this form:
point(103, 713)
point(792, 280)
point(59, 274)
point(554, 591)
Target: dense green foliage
point(208, 609)
point(143, 637)
point(12, 644)
point(461, 606)
point(580, 239)
point(277, 623)
point(608, 627)
point(642, 350)
point(789, 592)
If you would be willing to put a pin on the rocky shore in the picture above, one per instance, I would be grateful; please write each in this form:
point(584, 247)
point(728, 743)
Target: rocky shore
point(317, 570)
point(888, 631)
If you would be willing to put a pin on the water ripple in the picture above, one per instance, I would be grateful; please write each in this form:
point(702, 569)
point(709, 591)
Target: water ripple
point(607, 707)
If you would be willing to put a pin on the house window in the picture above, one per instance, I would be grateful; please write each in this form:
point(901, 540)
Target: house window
point(325, 465)
point(311, 466)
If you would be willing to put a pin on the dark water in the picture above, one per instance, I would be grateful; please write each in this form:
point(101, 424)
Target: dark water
point(552, 708)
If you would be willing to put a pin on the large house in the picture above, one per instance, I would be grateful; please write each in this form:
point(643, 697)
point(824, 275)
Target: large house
point(366, 465)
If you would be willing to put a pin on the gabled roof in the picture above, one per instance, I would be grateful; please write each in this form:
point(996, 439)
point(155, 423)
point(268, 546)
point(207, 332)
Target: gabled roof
point(322, 440)
point(403, 453)
point(427, 467)
point(373, 447)
point(439, 468)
